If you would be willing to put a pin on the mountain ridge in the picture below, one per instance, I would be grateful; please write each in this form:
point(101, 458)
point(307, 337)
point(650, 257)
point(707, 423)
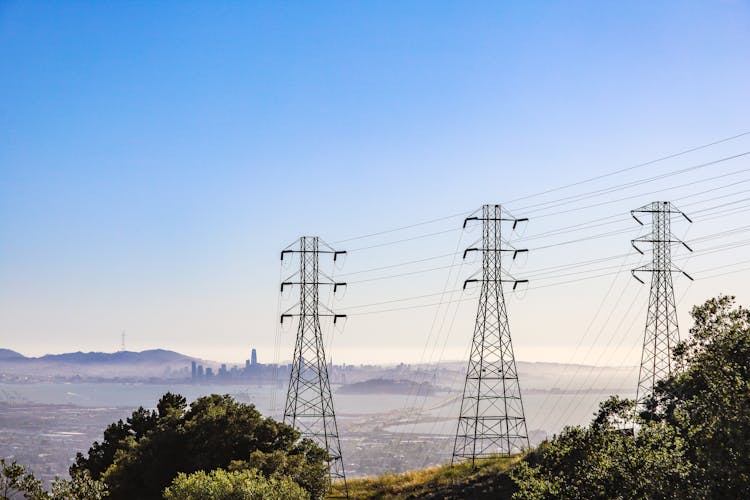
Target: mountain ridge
point(97, 357)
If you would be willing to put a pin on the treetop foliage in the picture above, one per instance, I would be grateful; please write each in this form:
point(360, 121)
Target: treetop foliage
point(692, 440)
point(16, 483)
point(233, 485)
point(141, 457)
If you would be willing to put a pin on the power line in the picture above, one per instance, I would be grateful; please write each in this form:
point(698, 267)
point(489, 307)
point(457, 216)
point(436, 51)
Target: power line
point(553, 245)
point(694, 167)
point(575, 209)
point(413, 392)
point(700, 181)
point(592, 194)
point(380, 268)
point(543, 271)
point(601, 329)
point(609, 342)
point(626, 169)
point(726, 273)
point(559, 188)
point(565, 282)
point(564, 415)
point(560, 231)
point(401, 228)
point(428, 235)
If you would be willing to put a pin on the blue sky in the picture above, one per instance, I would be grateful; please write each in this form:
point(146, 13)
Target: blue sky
point(154, 157)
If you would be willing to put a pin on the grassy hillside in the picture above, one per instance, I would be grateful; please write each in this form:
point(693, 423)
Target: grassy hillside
point(488, 480)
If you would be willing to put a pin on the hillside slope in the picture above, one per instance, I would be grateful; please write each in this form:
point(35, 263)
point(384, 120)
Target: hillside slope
point(489, 480)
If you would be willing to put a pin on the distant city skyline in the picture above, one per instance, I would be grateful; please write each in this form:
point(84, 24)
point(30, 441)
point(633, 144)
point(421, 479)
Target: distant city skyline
point(155, 159)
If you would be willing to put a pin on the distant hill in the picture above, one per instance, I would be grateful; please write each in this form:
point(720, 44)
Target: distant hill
point(129, 364)
point(387, 386)
point(7, 354)
point(120, 357)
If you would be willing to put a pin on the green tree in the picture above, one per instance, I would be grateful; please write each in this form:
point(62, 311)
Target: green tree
point(139, 458)
point(692, 440)
point(101, 455)
point(709, 402)
point(306, 464)
point(81, 486)
point(606, 461)
point(16, 483)
point(233, 485)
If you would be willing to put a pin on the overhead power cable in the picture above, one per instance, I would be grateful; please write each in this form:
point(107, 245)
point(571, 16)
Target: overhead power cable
point(594, 205)
point(528, 210)
point(624, 217)
point(559, 188)
point(582, 277)
point(421, 236)
point(626, 169)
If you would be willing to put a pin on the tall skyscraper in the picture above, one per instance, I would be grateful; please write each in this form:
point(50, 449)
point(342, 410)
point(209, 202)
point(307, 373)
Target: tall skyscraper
point(253, 357)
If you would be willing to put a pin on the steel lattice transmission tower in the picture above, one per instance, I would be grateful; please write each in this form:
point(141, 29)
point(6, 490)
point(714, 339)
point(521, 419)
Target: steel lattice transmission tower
point(491, 419)
point(662, 332)
point(309, 404)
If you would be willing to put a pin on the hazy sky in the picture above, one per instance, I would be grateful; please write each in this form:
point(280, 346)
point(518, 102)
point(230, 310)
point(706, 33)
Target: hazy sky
point(155, 157)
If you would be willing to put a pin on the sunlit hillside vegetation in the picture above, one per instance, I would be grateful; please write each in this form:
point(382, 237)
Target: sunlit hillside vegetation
point(489, 479)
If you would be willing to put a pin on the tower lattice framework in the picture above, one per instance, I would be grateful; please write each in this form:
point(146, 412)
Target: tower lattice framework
point(662, 331)
point(309, 403)
point(491, 419)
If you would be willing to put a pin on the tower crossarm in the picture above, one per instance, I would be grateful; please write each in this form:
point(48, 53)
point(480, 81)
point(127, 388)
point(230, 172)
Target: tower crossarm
point(514, 251)
point(509, 218)
point(658, 207)
point(479, 280)
point(327, 250)
point(650, 239)
point(335, 284)
point(647, 269)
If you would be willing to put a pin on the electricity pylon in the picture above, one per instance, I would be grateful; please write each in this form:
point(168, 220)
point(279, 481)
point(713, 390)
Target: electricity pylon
point(491, 420)
point(309, 404)
point(662, 332)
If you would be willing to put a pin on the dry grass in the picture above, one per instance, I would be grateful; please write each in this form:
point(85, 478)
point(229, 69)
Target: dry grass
point(488, 479)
